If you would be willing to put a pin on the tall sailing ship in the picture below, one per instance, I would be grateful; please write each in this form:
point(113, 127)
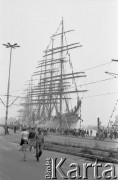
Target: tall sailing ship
point(55, 100)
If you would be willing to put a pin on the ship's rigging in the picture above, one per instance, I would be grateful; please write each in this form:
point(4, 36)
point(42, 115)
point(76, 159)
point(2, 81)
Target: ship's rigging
point(51, 97)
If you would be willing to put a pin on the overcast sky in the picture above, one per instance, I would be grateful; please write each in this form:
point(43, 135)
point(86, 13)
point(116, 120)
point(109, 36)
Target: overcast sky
point(30, 23)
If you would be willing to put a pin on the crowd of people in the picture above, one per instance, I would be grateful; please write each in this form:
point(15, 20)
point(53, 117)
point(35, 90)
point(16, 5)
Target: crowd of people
point(101, 133)
point(73, 132)
point(80, 132)
point(107, 133)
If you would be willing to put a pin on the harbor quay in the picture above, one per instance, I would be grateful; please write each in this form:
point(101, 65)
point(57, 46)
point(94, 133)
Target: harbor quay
point(108, 145)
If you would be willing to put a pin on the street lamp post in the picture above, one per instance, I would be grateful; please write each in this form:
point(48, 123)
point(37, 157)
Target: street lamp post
point(8, 45)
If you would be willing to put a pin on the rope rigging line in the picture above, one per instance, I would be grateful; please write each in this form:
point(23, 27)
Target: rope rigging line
point(97, 66)
point(54, 33)
point(74, 81)
point(66, 96)
point(71, 66)
point(100, 95)
point(95, 82)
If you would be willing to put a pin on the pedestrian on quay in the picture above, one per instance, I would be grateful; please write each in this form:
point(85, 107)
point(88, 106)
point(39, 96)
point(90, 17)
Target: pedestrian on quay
point(14, 129)
point(39, 143)
point(6, 128)
point(32, 134)
point(24, 142)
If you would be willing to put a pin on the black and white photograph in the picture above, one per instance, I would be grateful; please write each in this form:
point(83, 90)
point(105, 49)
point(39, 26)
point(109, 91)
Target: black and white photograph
point(58, 89)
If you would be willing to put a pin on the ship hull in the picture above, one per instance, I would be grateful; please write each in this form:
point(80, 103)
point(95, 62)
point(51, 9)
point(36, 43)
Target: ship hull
point(67, 121)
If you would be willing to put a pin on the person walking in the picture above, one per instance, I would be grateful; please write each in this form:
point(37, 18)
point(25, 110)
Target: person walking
point(15, 129)
point(24, 142)
point(31, 138)
point(39, 140)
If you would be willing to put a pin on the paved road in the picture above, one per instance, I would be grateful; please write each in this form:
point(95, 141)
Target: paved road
point(12, 167)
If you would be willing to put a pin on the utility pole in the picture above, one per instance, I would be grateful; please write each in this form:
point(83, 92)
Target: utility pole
point(8, 45)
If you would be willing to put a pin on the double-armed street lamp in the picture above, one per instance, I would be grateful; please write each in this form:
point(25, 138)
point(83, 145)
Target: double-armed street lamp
point(8, 45)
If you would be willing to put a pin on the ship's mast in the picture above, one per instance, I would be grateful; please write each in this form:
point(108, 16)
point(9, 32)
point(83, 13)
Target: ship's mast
point(51, 73)
point(44, 109)
point(61, 81)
